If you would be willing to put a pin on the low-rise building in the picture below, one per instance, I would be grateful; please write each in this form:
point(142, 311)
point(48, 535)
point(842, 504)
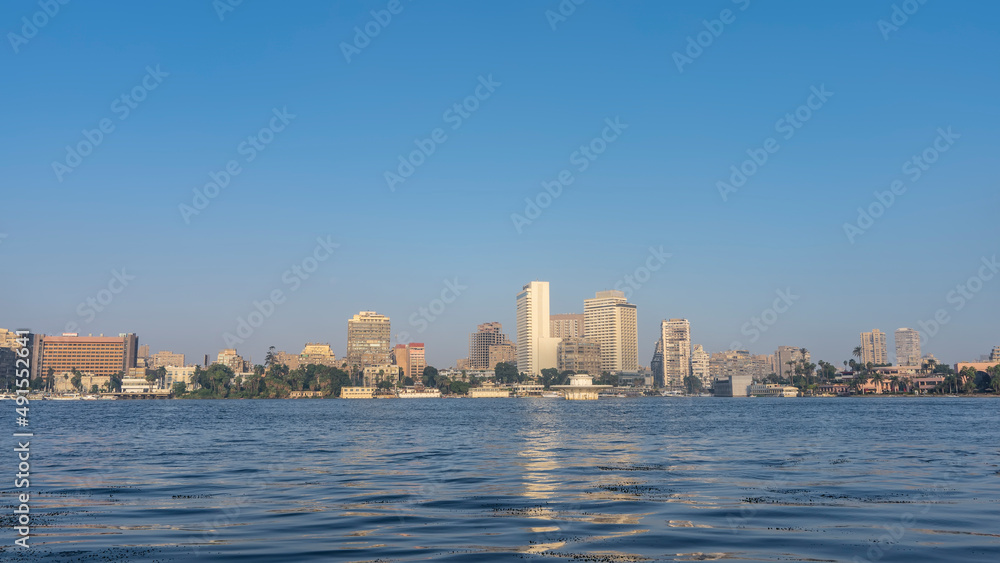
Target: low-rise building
point(180, 374)
point(733, 386)
point(773, 390)
point(373, 375)
point(357, 393)
point(489, 391)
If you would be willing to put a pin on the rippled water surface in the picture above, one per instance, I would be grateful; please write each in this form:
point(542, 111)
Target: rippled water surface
point(890, 479)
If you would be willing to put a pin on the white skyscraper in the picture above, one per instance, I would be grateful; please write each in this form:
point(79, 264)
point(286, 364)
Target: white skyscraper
point(907, 347)
point(611, 321)
point(676, 337)
point(536, 350)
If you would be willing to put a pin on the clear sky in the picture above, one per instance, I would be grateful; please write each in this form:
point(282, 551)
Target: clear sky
point(197, 85)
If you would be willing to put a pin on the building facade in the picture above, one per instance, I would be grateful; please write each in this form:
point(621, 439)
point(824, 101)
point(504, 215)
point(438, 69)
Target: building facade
point(907, 347)
point(579, 354)
point(785, 354)
point(536, 349)
point(567, 325)
point(995, 354)
point(700, 366)
point(96, 355)
point(611, 321)
point(368, 335)
point(481, 346)
point(411, 359)
point(231, 359)
point(166, 358)
point(873, 348)
point(675, 336)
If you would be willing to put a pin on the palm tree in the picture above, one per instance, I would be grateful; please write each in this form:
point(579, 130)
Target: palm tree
point(895, 383)
point(857, 352)
point(877, 377)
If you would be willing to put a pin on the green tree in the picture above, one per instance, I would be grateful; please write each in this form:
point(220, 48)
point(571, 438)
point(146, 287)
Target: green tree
point(459, 387)
point(430, 376)
point(94, 389)
point(77, 380)
point(692, 384)
point(550, 376)
point(152, 378)
point(180, 388)
point(506, 373)
point(408, 381)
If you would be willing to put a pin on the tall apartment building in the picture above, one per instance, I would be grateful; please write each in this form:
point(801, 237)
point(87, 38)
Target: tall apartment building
point(536, 349)
point(411, 359)
point(700, 366)
point(995, 354)
point(97, 355)
point(785, 354)
point(567, 325)
point(873, 349)
point(488, 344)
point(166, 358)
point(675, 335)
point(368, 335)
point(611, 321)
point(907, 347)
point(579, 354)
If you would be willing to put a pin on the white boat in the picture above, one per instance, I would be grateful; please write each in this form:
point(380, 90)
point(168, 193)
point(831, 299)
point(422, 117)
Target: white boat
point(70, 397)
point(672, 393)
point(551, 395)
point(89, 397)
point(425, 394)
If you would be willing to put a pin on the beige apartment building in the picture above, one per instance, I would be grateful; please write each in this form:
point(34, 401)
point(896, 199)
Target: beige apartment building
point(312, 354)
point(229, 358)
point(579, 354)
point(96, 355)
point(785, 354)
point(611, 321)
point(567, 325)
point(489, 346)
point(166, 358)
point(873, 348)
point(700, 366)
point(368, 336)
point(410, 359)
point(675, 338)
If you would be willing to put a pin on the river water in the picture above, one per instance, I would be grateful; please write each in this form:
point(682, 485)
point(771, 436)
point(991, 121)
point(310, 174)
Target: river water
point(647, 479)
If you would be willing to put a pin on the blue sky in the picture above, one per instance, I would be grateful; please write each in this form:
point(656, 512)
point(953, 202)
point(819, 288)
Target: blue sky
point(323, 173)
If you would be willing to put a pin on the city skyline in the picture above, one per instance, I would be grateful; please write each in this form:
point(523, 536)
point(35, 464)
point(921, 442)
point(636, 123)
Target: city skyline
point(669, 135)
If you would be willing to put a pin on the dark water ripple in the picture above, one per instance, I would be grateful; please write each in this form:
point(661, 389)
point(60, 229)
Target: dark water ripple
point(482, 480)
